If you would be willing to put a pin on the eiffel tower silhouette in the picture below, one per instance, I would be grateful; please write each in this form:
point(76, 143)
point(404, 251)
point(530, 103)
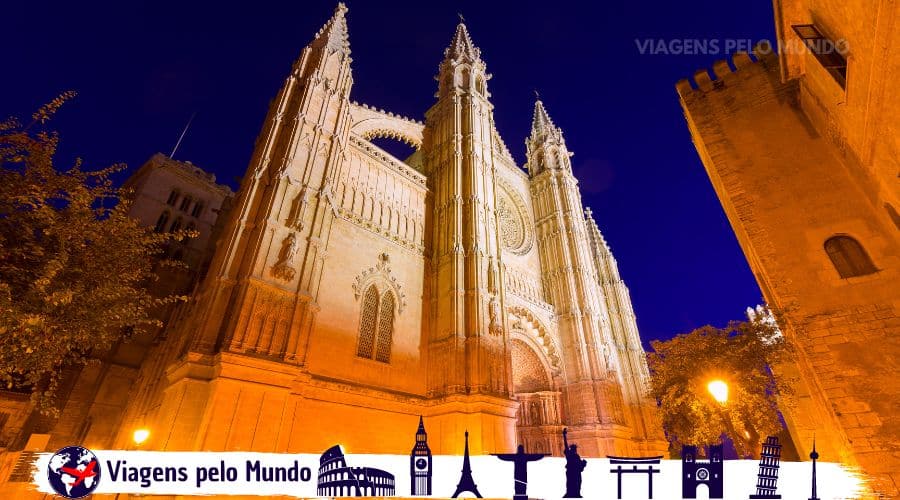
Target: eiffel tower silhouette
point(466, 483)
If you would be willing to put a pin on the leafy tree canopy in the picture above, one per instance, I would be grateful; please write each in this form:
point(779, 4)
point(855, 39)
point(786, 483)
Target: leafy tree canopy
point(74, 267)
point(739, 355)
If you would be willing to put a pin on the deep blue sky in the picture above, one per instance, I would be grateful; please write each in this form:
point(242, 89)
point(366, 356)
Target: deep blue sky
point(141, 70)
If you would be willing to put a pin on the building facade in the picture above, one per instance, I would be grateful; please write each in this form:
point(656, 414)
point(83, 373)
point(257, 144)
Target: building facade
point(802, 149)
point(95, 400)
point(354, 288)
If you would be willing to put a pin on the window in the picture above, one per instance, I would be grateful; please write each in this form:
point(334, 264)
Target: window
point(367, 323)
point(385, 328)
point(895, 217)
point(848, 257)
point(198, 208)
point(827, 52)
point(161, 222)
point(175, 225)
point(376, 326)
point(173, 197)
point(185, 203)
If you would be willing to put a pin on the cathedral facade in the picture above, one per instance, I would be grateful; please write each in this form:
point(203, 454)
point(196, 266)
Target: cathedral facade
point(351, 292)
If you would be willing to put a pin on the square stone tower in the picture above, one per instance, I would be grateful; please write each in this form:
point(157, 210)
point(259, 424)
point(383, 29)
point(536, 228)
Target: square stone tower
point(803, 149)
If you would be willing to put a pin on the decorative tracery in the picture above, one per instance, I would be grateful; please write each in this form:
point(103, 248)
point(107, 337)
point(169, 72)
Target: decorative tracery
point(514, 225)
point(367, 323)
point(385, 328)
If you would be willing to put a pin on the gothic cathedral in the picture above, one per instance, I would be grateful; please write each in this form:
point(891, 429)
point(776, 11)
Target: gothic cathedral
point(351, 291)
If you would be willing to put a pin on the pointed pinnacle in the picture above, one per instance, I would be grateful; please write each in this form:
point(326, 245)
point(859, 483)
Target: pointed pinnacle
point(461, 46)
point(542, 126)
point(334, 33)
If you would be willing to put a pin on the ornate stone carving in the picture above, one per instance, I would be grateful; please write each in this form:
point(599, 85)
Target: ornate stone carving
point(516, 235)
point(380, 274)
point(496, 315)
point(525, 322)
point(283, 268)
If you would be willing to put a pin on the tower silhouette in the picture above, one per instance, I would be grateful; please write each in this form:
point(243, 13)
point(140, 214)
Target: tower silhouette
point(814, 456)
point(420, 463)
point(466, 482)
point(695, 473)
point(769, 463)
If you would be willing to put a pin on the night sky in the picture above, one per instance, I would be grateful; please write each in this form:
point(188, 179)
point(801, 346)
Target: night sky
point(142, 69)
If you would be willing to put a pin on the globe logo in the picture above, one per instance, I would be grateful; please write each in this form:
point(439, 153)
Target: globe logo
point(74, 472)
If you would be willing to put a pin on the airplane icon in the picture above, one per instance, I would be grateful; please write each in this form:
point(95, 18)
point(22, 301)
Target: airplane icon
point(81, 475)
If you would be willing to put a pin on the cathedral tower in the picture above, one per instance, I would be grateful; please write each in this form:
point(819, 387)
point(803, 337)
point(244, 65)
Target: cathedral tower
point(253, 315)
point(468, 344)
point(601, 375)
point(359, 289)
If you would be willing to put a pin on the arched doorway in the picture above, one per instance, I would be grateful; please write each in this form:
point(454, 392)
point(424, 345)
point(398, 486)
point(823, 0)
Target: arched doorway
point(539, 420)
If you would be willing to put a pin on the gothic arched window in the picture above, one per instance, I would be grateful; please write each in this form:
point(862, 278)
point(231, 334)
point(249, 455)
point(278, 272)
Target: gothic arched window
point(376, 325)
point(198, 208)
point(173, 197)
point(367, 323)
point(848, 257)
point(175, 225)
point(161, 222)
point(895, 217)
point(385, 328)
point(185, 203)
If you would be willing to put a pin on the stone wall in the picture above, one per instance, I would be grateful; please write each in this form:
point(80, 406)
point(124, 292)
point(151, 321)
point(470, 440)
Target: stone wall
point(786, 187)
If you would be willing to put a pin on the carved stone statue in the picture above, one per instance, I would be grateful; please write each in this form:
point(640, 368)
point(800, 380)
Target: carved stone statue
point(496, 325)
point(283, 268)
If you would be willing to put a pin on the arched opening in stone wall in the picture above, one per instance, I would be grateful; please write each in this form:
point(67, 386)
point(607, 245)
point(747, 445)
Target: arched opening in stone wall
point(539, 421)
point(397, 148)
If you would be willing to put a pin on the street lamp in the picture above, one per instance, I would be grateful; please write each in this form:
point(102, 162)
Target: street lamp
point(719, 390)
point(140, 435)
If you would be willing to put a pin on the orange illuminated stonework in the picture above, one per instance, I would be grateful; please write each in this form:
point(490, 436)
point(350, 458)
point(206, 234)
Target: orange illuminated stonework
point(352, 291)
point(802, 150)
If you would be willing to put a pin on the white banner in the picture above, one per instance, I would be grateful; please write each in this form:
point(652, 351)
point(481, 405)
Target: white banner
point(237, 473)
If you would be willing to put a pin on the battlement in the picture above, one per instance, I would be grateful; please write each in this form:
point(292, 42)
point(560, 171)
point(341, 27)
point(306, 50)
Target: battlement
point(722, 72)
point(191, 171)
point(386, 113)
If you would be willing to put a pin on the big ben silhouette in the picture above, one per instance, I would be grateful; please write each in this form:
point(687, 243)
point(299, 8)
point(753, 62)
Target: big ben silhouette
point(420, 463)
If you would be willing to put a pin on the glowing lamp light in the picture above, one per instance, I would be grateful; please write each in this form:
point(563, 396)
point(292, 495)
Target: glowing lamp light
point(719, 390)
point(140, 436)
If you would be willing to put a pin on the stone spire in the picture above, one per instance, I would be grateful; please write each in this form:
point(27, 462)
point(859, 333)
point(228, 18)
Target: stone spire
point(334, 34)
point(462, 47)
point(607, 268)
point(546, 147)
point(542, 127)
point(462, 70)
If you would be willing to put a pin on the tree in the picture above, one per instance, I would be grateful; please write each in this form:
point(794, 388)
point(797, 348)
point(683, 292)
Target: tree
point(75, 269)
point(739, 355)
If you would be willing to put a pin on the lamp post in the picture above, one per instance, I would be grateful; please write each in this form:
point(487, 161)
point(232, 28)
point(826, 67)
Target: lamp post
point(138, 437)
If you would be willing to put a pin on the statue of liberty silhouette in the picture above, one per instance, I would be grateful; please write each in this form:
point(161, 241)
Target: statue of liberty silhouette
point(574, 467)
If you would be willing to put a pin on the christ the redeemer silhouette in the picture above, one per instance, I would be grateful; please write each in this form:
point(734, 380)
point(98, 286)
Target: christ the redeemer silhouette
point(520, 472)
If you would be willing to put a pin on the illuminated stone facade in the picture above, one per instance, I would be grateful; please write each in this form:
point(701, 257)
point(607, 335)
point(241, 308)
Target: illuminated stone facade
point(351, 292)
point(803, 152)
